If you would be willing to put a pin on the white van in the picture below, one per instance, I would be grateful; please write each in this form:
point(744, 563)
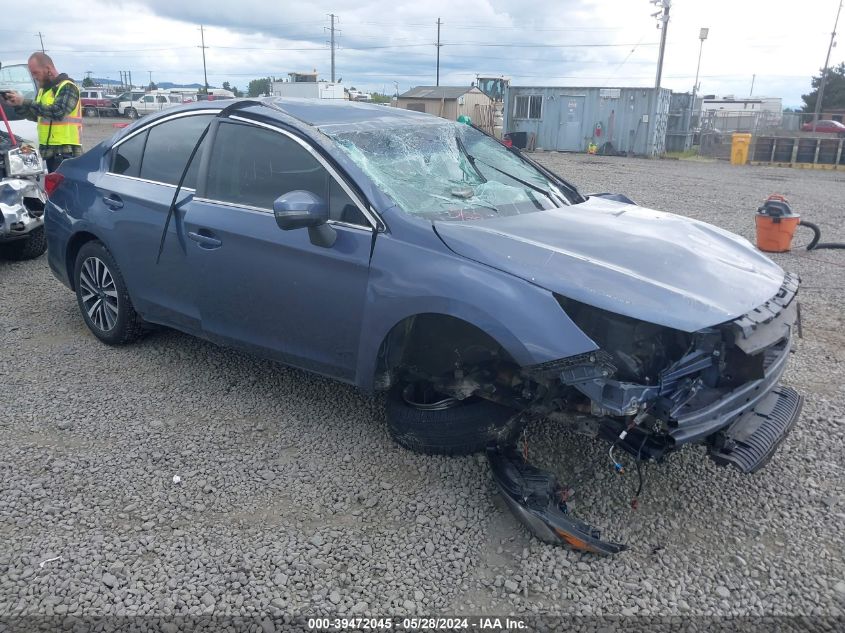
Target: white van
point(16, 76)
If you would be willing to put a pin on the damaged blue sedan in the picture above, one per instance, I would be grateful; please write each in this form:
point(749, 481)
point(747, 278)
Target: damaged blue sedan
point(404, 253)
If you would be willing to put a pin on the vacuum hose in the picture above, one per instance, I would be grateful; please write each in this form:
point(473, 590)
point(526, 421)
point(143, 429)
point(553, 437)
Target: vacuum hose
point(817, 234)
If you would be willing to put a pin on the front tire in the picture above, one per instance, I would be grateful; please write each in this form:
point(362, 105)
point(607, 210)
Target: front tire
point(32, 246)
point(425, 422)
point(103, 298)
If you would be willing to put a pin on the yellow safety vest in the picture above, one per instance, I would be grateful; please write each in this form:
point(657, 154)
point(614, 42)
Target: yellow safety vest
point(68, 131)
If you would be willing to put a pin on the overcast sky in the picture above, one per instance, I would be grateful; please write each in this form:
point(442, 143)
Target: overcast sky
point(610, 43)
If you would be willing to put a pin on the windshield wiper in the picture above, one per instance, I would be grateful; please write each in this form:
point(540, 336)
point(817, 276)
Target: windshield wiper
point(525, 183)
point(470, 158)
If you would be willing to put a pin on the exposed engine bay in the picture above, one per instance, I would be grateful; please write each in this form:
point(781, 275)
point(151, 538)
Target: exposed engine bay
point(647, 390)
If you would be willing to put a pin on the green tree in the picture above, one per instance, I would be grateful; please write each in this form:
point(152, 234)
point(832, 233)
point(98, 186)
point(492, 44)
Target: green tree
point(379, 98)
point(226, 86)
point(152, 86)
point(237, 92)
point(88, 82)
point(258, 87)
point(834, 90)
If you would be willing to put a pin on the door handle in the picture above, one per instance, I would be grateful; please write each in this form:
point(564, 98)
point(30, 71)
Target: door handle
point(113, 201)
point(205, 241)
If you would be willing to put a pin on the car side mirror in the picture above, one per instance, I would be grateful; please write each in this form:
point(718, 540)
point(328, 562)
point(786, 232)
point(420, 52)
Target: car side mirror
point(303, 209)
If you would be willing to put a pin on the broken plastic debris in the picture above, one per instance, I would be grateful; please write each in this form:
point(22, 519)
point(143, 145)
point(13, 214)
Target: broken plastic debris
point(177, 479)
point(49, 560)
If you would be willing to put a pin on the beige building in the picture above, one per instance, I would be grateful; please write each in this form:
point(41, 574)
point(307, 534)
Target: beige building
point(447, 101)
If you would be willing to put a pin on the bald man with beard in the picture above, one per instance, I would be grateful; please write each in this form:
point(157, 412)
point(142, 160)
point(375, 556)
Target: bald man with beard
point(56, 109)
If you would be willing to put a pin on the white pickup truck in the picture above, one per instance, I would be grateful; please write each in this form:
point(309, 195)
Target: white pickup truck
point(148, 103)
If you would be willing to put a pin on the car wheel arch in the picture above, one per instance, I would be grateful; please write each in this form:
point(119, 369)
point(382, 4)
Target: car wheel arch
point(434, 341)
point(74, 245)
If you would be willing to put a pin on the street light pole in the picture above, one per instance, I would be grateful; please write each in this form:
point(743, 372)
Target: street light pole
point(702, 35)
point(824, 70)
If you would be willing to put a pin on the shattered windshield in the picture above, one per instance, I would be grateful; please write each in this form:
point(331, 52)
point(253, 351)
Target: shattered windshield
point(448, 171)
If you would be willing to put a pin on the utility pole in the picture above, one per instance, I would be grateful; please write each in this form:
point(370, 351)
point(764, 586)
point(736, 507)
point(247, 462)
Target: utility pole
point(824, 70)
point(332, 16)
point(42, 41)
point(129, 72)
point(753, 77)
point(438, 51)
point(151, 77)
point(663, 25)
point(203, 47)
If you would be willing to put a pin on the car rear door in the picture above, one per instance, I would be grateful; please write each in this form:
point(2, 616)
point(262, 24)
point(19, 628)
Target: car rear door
point(133, 199)
point(268, 290)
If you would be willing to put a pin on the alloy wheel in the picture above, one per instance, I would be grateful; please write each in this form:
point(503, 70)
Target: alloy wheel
point(98, 294)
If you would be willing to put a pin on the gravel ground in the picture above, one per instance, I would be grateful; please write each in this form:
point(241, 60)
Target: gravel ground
point(293, 499)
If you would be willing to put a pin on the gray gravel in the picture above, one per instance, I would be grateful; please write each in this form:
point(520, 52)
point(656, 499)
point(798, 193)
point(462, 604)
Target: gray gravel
point(293, 499)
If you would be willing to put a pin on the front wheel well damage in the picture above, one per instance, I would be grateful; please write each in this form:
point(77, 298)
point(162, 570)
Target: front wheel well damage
point(433, 346)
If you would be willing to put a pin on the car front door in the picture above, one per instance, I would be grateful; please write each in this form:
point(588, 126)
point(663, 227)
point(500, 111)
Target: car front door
point(264, 289)
point(133, 199)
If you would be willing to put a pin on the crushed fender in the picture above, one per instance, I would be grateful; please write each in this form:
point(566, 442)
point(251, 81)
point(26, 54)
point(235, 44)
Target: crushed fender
point(536, 499)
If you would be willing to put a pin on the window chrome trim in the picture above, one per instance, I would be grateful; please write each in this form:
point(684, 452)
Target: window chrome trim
point(266, 211)
point(152, 182)
point(374, 221)
point(164, 119)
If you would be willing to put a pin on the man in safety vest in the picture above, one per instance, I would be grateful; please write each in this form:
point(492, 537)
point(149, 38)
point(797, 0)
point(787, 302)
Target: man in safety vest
point(56, 108)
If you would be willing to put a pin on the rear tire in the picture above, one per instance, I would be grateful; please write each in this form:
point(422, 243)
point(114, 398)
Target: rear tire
point(459, 428)
point(32, 246)
point(103, 298)
point(89, 112)
point(132, 113)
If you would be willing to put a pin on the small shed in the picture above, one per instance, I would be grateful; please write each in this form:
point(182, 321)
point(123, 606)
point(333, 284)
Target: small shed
point(568, 119)
point(448, 102)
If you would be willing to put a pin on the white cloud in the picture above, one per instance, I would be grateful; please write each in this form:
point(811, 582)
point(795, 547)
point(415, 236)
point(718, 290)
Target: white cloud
point(569, 42)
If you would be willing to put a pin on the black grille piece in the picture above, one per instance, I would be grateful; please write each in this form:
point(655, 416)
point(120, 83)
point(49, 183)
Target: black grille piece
point(750, 442)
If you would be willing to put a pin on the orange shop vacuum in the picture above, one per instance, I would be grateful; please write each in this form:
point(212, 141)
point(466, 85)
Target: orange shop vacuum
point(776, 224)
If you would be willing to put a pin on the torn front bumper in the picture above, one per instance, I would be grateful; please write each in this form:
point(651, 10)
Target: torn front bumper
point(21, 207)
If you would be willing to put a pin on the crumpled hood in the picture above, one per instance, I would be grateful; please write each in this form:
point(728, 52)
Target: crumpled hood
point(646, 264)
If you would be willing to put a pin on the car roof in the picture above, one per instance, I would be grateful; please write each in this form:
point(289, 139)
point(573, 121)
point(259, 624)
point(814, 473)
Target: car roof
point(327, 115)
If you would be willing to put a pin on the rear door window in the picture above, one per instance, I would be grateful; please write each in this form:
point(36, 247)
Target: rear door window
point(168, 148)
point(126, 157)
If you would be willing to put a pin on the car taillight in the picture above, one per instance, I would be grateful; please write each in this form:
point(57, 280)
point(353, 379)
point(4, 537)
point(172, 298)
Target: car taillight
point(52, 182)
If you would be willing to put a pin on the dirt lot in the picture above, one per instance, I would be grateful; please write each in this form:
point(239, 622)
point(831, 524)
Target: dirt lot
point(293, 499)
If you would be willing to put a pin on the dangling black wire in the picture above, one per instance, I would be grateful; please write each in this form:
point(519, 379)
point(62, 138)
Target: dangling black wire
point(639, 474)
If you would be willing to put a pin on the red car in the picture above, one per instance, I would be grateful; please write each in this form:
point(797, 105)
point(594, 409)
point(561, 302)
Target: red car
point(826, 126)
